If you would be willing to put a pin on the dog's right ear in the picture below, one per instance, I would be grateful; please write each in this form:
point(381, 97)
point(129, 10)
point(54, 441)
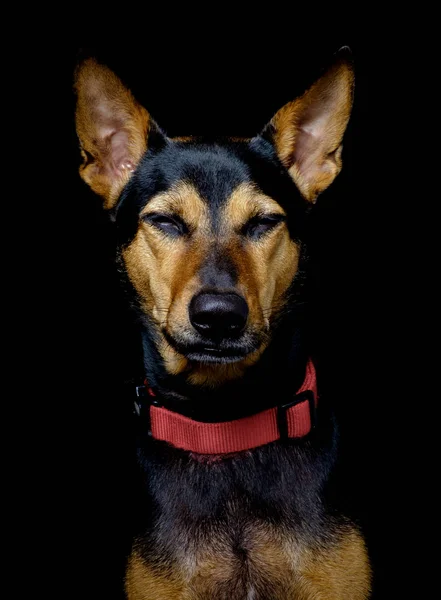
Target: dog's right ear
point(112, 128)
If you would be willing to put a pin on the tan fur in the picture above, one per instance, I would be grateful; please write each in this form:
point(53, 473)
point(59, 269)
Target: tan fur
point(270, 564)
point(164, 271)
point(342, 572)
point(308, 132)
point(105, 109)
point(144, 582)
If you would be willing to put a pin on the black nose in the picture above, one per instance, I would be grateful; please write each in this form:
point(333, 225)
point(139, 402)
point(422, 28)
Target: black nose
point(218, 315)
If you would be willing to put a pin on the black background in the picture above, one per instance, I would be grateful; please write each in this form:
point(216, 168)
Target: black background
point(231, 82)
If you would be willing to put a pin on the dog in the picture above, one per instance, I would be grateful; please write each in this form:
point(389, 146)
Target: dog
point(235, 448)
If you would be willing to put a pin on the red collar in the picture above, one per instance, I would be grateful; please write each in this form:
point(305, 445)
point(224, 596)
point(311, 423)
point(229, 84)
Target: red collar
point(292, 420)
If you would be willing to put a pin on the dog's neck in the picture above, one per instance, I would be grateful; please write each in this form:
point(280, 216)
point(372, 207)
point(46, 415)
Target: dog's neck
point(276, 377)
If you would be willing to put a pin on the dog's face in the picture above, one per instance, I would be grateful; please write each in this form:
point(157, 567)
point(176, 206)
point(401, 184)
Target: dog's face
point(212, 256)
point(210, 232)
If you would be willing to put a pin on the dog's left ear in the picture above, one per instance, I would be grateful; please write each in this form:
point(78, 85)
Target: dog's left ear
point(308, 132)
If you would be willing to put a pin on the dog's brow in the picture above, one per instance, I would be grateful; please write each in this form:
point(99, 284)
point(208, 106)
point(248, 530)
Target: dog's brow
point(246, 202)
point(182, 198)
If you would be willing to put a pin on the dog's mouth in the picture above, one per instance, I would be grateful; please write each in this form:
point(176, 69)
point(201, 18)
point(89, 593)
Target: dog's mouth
point(209, 354)
point(221, 351)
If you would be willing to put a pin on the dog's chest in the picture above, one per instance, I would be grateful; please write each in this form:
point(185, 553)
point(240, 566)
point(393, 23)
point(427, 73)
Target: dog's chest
point(250, 561)
point(264, 563)
point(240, 561)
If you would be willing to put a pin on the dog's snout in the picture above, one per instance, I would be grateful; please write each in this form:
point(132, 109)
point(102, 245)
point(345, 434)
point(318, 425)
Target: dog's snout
point(218, 315)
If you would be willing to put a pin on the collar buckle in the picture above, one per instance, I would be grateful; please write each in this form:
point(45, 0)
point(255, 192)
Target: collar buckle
point(282, 421)
point(140, 394)
point(144, 396)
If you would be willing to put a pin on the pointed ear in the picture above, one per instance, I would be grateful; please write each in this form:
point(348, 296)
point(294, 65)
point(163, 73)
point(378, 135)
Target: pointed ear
point(308, 132)
point(112, 128)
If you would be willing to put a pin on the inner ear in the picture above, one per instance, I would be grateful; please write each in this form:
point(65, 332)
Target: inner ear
point(112, 128)
point(308, 132)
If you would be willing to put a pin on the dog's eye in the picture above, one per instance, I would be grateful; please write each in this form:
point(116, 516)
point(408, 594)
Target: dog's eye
point(170, 224)
point(261, 224)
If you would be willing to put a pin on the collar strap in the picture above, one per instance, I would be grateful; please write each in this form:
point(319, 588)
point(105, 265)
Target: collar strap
point(292, 420)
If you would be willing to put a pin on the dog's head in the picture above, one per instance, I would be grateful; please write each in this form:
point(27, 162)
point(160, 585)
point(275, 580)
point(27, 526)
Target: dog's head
point(209, 232)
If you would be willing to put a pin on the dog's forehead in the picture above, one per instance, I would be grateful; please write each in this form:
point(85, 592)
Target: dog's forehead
point(214, 171)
